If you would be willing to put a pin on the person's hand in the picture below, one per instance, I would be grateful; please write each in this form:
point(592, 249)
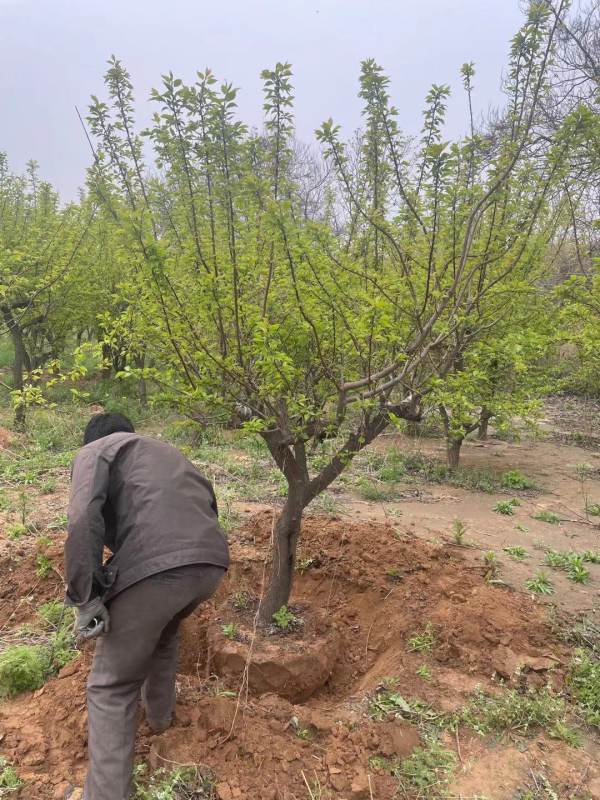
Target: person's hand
point(93, 619)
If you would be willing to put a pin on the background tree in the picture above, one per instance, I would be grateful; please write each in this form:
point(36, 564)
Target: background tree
point(39, 247)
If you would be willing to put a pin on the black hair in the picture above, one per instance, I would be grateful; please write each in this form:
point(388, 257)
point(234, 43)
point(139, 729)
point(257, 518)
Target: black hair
point(104, 424)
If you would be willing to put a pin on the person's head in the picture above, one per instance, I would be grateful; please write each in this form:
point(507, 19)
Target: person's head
point(104, 424)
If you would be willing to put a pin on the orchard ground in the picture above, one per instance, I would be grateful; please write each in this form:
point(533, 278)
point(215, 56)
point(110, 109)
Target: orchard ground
point(446, 674)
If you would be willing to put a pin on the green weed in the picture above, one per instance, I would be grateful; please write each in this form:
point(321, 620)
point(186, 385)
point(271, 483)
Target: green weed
point(572, 563)
point(424, 641)
point(9, 780)
point(44, 566)
point(17, 531)
point(540, 583)
point(22, 669)
point(230, 631)
point(584, 684)
point(424, 672)
point(506, 507)
point(370, 491)
point(59, 523)
point(593, 510)
point(427, 770)
point(548, 516)
point(516, 551)
point(513, 479)
point(284, 619)
point(518, 712)
point(182, 783)
point(53, 612)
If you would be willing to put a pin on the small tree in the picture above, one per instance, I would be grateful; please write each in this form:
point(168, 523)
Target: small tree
point(330, 326)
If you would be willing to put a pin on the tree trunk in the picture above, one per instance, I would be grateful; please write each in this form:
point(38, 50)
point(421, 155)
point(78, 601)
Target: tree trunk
point(106, 361)
point(453, 445)
point(482, 430)
point(20, 362)
point(139, 362)
point(287, 530)
point(413, 430)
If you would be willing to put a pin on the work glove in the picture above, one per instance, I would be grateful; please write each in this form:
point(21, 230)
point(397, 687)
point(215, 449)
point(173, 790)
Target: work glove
point(93, 619)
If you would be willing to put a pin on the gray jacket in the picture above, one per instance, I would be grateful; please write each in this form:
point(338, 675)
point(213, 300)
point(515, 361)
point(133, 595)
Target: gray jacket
point(141, 499)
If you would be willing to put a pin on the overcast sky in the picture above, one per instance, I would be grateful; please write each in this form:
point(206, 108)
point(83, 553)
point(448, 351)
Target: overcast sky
point(53, 54)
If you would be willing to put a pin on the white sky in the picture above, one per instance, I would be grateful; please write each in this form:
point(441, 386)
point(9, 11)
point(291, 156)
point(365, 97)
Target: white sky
point(53, 54)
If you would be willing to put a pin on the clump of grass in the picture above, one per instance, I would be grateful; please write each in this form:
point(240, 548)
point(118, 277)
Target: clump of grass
point(9, 780)
point(427, 770)
point(17, 530)
point(548, 516)
point(572, 563)
point(506, 507)
point(584, 683)
point(230, 631)
point(513, 479)
point(393, 468)
point(370, 491)
point(593, 509)
point(424, 672)
point(22, 669)
point(182, 783)
point(53, 613)
point(518, 712)
point(516, 551)
point(284, 619)
point(43, 566)
point(540, 583)
point(387, 701)
point(424, 641)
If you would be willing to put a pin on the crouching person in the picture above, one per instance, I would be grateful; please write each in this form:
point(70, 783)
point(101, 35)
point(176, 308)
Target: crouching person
point(150, 507)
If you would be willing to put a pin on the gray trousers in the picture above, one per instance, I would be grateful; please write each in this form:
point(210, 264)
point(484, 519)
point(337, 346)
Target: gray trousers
point(139, 655)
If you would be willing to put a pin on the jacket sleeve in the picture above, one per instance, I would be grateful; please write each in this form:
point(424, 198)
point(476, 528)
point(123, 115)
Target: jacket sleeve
point(85, 542)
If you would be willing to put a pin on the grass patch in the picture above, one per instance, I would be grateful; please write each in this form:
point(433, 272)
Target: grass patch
point(584, 684)
point(540, 583)
point(25, 667)
point(506, 507)
point(9, 780)
point(424, 641)
point(548, 516)
point(572, 563)
point(427, 770)
point(516, 552)
point(373, 493)
point(22, 669)
point(183, 783)
point(524, 713)
point(513, 479)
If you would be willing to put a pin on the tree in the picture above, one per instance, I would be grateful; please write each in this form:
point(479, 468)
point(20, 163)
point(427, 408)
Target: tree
point(325, 327)
point(39, 245)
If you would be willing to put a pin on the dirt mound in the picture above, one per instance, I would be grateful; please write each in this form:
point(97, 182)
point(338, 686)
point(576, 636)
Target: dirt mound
point(382, 588)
